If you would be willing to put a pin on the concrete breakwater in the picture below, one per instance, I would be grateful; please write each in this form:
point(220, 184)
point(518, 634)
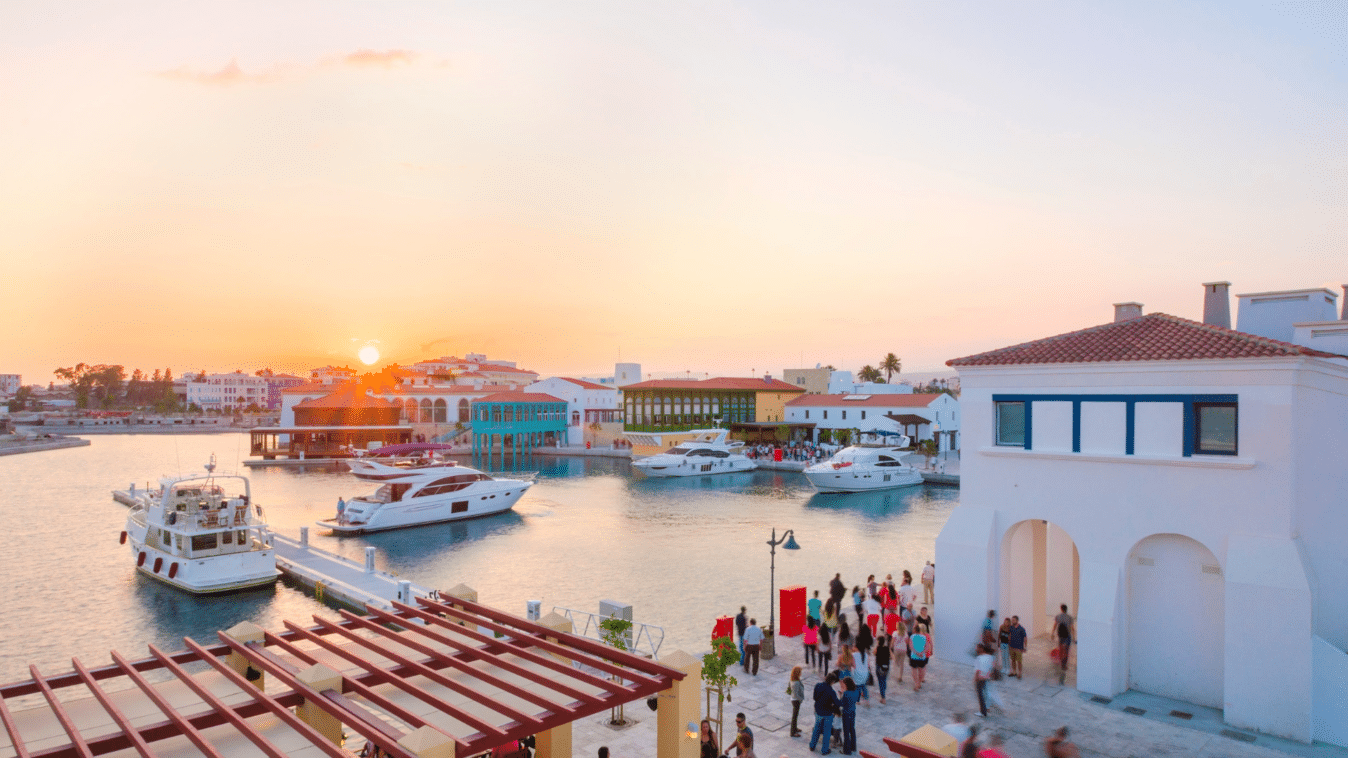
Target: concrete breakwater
point(14, 446)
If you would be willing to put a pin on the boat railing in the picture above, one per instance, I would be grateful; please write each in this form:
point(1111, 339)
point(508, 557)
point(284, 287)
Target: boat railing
point(642, 639)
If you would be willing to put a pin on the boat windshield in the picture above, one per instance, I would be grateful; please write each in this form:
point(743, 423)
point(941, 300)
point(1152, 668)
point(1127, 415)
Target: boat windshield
point(676, 451)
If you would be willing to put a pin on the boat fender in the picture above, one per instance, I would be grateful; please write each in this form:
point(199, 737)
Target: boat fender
point(158, 564)
point(140, 560)
point(122, 540)
point(173, 570)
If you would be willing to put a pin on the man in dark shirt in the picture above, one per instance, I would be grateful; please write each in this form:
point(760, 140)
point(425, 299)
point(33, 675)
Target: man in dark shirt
point(826, 703)
point(836, 590)
point(741, 623)
point(1017, 636)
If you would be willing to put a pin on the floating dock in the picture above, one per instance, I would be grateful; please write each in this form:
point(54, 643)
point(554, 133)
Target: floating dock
point(334, 577)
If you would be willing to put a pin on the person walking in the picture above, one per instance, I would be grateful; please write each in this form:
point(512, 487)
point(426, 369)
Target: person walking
point(830, 619)
point(825, 649)
point(826, 704)
point(863, 645)
point(1016, 637)
point(982, 674)
point(1058, 746)
point(899, 643)
point(836, 590)
point(810, 639)
point(883, 653)
point(742, 731)
point(871, 605)
point(846, 663)
point(844, 633)
point(907, 592)
point(753, 640)
point(1004, 643)
point(929, 583)
point(796, 688)
point(857, 599)
point(919, 651)
point(923, 621)
point(709, 748)
point(1065, 626)
point(741, 623)
point(850, 696)
point(814, 607)
point(990, 631)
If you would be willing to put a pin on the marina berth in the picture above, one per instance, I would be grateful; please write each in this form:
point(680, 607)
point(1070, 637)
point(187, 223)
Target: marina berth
point(202, 534)
point(709, 452)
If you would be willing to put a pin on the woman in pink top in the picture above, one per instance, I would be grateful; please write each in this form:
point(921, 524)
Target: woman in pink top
point(811, 640)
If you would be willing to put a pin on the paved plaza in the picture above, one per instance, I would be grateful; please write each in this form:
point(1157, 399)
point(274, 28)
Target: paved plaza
point(1036, 706)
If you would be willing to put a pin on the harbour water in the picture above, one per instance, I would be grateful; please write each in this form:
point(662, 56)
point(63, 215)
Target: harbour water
point(681, 551)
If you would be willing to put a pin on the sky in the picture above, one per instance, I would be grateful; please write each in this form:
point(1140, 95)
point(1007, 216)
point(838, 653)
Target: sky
point(712, 187)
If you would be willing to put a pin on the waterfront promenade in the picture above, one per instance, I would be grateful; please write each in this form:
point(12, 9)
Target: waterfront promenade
point(1036, 706)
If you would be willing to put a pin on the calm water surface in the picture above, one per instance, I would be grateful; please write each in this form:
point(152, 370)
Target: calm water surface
point(681, 551)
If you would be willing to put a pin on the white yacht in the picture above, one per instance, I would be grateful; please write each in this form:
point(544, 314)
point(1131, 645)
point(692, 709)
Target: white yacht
point(860, 468)
point(429, 492)
point(709, 452)
point(201, 534)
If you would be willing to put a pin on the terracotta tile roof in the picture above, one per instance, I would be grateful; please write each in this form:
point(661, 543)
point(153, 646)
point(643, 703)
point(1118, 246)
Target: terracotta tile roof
point(519, 397)
point(872, 401)
point(1153, 337)
point(586, 385)
point(300, 389)
point(347, 398)
point(718, 383)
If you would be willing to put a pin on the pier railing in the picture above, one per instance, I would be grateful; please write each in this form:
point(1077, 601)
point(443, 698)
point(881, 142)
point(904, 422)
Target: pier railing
point(643, 639)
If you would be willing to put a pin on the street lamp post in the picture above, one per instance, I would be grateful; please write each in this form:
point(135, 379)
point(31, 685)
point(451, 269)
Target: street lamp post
point(788, 542)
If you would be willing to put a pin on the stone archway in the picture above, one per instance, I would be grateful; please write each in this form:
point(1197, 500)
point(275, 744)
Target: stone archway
point(1041, 571)
point(1177, 620)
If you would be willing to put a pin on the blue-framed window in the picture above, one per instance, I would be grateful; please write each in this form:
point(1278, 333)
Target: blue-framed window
point(1215, 429)
point(1011, 423)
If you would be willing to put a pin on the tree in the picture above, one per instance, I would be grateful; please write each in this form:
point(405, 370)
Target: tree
point(782, 433)
point(616, 633)
point(870, 374)
point(102, 383)
point(842, 436)
point(716, 677)
point(21, 398)
point(891, 365)
point(928, 449)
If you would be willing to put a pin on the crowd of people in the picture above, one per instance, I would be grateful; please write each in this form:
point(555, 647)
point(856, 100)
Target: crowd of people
point(858, 639)
point(803, 450)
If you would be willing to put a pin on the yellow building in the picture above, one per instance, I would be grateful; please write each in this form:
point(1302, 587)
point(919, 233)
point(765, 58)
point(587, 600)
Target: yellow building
point(659, 413)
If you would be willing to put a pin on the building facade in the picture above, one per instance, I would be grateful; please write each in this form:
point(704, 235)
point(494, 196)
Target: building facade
point(590, 407)
point(228, 392)
point(920, 416)
point(674, 405)
point(10, 383)
point(519, 421)
point(1179, 486)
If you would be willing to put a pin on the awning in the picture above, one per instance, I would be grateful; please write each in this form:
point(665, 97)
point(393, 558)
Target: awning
point(908, 419)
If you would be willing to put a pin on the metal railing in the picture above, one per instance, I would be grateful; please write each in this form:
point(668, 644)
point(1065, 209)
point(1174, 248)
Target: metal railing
point(642, 639)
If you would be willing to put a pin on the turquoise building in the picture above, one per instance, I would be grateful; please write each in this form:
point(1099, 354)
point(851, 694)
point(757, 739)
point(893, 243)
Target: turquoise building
point(523, 421)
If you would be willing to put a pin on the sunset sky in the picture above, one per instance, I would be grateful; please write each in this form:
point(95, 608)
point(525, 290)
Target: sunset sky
point(708, 186)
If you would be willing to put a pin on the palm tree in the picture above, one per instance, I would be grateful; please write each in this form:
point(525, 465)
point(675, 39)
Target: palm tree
point(870, 374)
point(891, 366)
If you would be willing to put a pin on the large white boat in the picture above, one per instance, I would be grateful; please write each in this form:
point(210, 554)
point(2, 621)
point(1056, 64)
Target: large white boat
point(202, 534)
point(860, 468)
point(710, 451)
point(413, 493)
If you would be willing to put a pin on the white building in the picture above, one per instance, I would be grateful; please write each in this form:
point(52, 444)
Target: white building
point(332, 375)
point(1181, 487)
point(587, 403)
point(841, 383)
point(236, 391)
point(10, 383)
point(476, 369)
point(920, 416)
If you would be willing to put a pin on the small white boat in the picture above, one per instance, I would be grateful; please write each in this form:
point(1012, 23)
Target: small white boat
point(710, 452)
point(861, 468)
point(201, 534)
point(422, 492)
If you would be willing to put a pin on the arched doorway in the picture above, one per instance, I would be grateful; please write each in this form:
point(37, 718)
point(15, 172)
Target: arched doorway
point(1177, 619)
point(1041, 571)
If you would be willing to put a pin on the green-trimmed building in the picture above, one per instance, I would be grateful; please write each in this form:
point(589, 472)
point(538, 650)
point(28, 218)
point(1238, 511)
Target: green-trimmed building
point(675, 405)
point(523, 421)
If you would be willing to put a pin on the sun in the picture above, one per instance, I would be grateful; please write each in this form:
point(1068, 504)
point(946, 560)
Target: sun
point(368, 354)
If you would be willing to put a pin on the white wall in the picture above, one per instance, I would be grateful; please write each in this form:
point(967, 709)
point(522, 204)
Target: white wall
point(1272, 314)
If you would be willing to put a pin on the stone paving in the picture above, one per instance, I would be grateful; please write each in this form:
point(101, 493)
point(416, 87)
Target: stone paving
point(1036, 706)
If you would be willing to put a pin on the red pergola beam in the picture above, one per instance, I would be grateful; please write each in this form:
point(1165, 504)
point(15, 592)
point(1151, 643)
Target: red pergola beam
point(120, 718)
point(452, 661)
point(19, 749)
point(184, 728)
point(76, 738)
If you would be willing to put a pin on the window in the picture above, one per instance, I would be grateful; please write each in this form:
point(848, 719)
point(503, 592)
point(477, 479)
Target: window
point(844, 415)
point(1215, 428)
point(825, 414)
point(1011, 423)
point(807, 414)
point(459, 506)
point(863, 415)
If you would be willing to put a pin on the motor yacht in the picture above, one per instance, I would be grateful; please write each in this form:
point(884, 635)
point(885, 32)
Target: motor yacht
point(423, 492)
point(860, 468)
point(202, 534)
point(709, 452)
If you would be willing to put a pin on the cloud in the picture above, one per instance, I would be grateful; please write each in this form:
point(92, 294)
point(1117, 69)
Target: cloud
point(384, 58)
point(232, 74)
point(228, 76)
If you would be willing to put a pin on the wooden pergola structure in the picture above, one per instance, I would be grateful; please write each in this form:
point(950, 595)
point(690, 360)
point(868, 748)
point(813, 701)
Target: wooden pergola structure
point(446, 677)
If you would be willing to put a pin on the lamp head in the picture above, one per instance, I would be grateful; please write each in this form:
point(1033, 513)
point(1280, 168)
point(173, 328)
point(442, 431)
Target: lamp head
point(791, 543)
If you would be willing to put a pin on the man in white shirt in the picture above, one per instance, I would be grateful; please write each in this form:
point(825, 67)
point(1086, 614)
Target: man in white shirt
point(957, 728)
point(983, 666)
point(753, 640)
point(929, 584)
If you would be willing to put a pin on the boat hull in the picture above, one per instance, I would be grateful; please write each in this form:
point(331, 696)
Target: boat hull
point(686, 467)
point(844, 481)
point(214, 575)
point(435, 510)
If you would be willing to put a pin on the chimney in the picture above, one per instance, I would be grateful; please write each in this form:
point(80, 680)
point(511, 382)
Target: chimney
point(1127, 311)
point(1217, 304)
